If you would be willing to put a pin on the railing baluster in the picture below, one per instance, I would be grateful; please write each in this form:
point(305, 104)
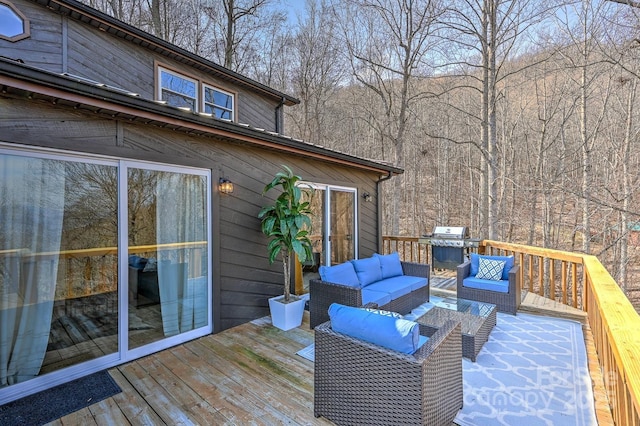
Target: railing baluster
point(552, 279)
point(574, 284)
point(563, 281)
point(541, 276)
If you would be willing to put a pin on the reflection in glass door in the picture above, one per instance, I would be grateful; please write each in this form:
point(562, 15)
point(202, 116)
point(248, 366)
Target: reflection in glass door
point(342, 226)
point(334, 232)
point(100, 262)
point(58, 268)
point(168, 267)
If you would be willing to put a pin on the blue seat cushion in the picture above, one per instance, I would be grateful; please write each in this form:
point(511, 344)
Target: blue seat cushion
point(396, 286)
point(368, 270)
point(477, 283)
point(475, 263)
point(378, 297)
point(383, 330)
point(389, 264)
point(414, 283)
point(342, 273)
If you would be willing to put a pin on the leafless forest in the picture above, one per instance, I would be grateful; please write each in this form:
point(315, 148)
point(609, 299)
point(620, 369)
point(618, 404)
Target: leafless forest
point(517, 118)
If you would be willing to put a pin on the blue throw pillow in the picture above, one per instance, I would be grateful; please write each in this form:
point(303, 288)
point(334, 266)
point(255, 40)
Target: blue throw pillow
point(383, 330)
point(389, 264)
point(490, 269)
point(368, 270)
point(342, 273)
point(475, 258)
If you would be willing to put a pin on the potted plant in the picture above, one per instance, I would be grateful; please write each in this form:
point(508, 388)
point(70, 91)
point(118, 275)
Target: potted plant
point(287, 224)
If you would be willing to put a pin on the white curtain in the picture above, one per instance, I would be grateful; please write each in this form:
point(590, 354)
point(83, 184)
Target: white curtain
point(31, 213)
point(180, 218)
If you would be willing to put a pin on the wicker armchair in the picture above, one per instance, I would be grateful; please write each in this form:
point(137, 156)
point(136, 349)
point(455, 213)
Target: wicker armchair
point(356, 382)
point(322, 294)
point(505, 302)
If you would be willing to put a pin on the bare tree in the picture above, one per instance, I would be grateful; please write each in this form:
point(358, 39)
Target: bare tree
point(237, 26)
point(487, 34)
point(317, 70)
point(388, 42)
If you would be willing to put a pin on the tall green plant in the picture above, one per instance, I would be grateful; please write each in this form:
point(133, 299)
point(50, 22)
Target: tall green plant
point(287, 223)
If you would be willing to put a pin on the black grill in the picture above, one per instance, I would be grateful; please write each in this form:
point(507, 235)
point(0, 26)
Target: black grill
point(449, 245)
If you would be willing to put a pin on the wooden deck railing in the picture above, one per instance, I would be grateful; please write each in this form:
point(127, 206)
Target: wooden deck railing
point(581, 281)
point(86, 272)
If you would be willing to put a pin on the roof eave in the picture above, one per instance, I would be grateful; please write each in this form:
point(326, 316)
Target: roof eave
point(107, 23)
point(99, 99)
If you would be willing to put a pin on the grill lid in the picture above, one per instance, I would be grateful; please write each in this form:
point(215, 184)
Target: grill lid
point(451, 232)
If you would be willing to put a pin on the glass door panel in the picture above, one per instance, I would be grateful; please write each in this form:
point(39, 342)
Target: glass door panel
point(58, 264)
point(168, 254)
point(333, 232)
point(342, 226)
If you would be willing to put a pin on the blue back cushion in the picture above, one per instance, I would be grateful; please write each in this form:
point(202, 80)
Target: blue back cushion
point(475, 263)
point(368, 270)
point(342, 273)
point(137, 261)
point(389, 264)
point(383, 330)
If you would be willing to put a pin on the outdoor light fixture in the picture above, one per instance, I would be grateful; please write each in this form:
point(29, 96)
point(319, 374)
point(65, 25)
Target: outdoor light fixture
point(225, 186)
point(366, 196)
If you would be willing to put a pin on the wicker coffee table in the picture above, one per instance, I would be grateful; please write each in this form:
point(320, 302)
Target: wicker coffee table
point(477, 319)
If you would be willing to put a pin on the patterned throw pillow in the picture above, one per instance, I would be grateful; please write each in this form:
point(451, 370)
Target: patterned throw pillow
point(490, 269)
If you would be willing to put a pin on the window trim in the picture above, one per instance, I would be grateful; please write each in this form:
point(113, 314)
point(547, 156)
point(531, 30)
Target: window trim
point(200, 89)
point(161, 88)
point(206, 86)
point(26, 33)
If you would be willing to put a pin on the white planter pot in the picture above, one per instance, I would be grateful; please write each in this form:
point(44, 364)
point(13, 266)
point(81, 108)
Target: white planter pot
point(286, 316)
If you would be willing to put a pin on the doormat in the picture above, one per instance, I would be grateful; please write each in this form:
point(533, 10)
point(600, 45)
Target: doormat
point(51, 404)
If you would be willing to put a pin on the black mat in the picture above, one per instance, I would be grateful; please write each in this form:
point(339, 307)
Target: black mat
point(51, 404)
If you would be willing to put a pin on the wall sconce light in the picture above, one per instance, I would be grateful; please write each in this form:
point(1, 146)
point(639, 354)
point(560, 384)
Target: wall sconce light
point(225, 186)
point(366, 196)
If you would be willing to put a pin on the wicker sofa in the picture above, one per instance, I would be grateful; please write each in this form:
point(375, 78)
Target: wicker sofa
point(322, 293)
point(505, 292)
point(357, 382)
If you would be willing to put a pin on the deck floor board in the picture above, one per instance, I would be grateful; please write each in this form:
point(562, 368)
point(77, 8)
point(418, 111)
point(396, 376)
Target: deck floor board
point(248, 375)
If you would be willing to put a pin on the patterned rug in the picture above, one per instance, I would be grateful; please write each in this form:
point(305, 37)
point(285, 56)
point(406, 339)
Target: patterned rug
point(532, 371)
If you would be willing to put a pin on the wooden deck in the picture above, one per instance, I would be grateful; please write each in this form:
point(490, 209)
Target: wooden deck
point(249, 374)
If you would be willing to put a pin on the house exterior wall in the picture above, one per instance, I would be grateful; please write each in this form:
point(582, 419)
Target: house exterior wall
point(242, 277)
point(63, 45)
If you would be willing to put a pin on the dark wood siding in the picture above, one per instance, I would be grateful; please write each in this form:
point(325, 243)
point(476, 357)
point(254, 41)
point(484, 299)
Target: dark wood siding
point(243, 278)
point(60, 45)
point(44, 47)
point(106, 59)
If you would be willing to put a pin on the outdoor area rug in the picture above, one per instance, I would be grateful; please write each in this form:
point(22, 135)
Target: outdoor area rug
point(532, 371)
point(51, 404)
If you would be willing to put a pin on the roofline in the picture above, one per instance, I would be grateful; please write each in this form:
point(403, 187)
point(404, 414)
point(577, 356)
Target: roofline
point(115, 27)
point(31, 82)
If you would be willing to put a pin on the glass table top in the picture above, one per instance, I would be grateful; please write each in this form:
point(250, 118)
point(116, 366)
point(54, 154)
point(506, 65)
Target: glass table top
point(471, 314)
point(472, 307)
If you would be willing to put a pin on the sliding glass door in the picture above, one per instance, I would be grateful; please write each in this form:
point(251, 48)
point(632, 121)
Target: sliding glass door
point(101, 261)
point(167, 254)
point(334, 233)
point(342, 226)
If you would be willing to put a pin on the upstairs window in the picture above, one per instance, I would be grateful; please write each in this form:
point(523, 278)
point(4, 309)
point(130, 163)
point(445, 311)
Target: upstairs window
point(14, 25)
point(182, 91)
point(177, 90)
point(218, 102)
